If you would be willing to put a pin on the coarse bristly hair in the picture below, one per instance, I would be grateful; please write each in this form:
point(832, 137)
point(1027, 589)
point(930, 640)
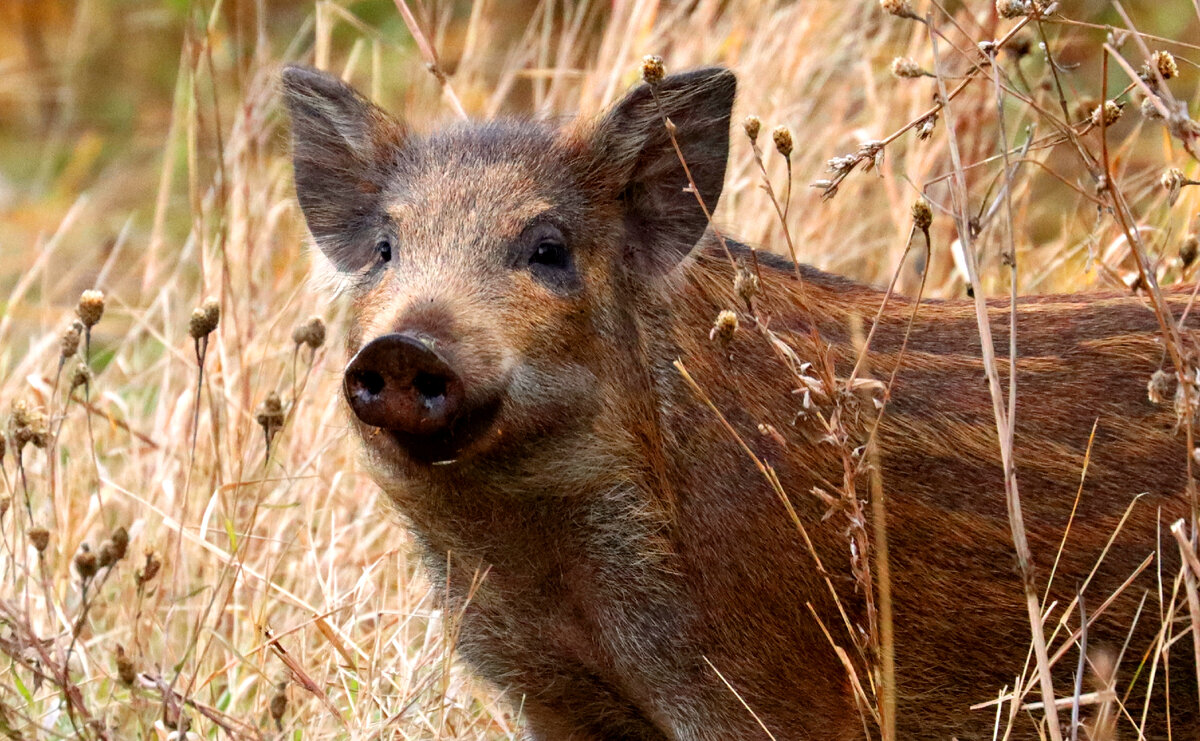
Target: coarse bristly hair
point(638, 568)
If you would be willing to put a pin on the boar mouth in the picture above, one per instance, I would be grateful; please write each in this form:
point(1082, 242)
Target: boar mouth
point(444, 447)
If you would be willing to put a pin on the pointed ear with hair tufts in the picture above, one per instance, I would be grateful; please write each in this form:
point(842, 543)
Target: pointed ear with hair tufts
point(634, 160)
point(344, 148)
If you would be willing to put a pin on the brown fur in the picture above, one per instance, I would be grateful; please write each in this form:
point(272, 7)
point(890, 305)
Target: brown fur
point(627, 546)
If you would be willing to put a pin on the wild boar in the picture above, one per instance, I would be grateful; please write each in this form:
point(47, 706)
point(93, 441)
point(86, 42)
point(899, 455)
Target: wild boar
point(521, 293)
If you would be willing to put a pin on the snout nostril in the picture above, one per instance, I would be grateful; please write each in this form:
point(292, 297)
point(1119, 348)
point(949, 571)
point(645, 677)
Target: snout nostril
point(370, 381)
point(430, 386)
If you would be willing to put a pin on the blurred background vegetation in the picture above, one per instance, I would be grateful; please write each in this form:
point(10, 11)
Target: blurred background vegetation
point(143, 152)
point(93, 93)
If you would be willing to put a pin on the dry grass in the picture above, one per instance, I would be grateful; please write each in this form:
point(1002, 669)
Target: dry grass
point(279, 577)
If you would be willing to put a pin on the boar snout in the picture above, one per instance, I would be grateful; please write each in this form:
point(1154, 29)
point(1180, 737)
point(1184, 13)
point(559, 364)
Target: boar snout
point(401, 383)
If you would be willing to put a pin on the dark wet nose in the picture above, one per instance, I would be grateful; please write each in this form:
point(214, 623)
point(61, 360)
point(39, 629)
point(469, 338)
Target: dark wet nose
point(400, 383)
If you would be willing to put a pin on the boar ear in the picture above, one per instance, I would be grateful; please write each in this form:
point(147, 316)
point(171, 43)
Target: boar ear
point(343, 150)
point(635, 159)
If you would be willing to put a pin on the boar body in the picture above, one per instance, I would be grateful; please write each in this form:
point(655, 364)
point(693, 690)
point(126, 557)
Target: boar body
point(621, 566)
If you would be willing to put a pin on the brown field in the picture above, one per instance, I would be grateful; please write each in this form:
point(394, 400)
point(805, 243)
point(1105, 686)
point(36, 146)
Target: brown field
point(266, 591)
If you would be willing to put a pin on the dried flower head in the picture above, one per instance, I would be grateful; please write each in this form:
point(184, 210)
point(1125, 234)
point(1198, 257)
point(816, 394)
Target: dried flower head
point(272, 407)
point(1012, 8)
point(22, 415)
point(745, 283)
point(270, 415)
point(905, 68)
point(926, 127)
point(107, 555)
point(113, 549)
point(82, 376)
point(1173, 181)
point(150, 570)
point(898, 8)
point(69, 339)
point(653, 69)
point(1150, 109)
point(782, 136)
point(279, 703)
point(120, 538)
point(1165, 63)
point(1111, 112)
point(28, 425)
point(204, 319)
point(753, 125)
point(922, 215)
point(1159, 387)
point(1188, 249)
point(724, 327)
point(126, 671)
point(40, 537)
point(90, 307)
point(311, 333)
point(86, 562)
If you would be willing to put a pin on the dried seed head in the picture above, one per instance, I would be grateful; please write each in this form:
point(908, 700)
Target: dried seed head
point(1173, 181)
point(107, 555)
point(898, 8)
point(82, 376)
point(783, 140)
point(90, 308)
point(1012, 8)
point(926, 127)
point(905, 68)
point(753, 125)
point(1188, 250)
point(311, 333)
point(86, 562)
point(745, 284)
point(922, 215)
point(1111, 111)
point(1149, 109)
point(204, 319)
point(724, 328)
point(22, 415)
point(279, 703)
point(149, 570)
point(653, 69)
point(1164, 62)
point(126, 671)
point(1159, 387)
point(120, 538)
point(69, 340)
point(40, 537)
point(28, 425)
point(113, 549)
point(270, 415)
point(272, 407)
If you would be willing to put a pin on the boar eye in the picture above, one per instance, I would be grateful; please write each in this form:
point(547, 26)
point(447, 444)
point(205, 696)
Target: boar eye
point(543, 251)
point(550, 253)
point(384, 248)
